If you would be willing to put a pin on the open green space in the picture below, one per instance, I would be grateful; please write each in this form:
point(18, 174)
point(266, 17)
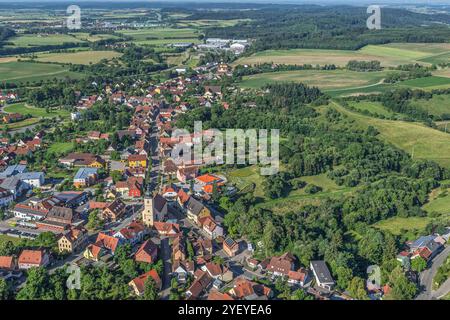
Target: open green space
point(389, 55)
point(60, 147)
point(5, 238)
point(20, 72)
point(437, 105)
point(159, 33)
point(32, 40)
point(324, 79)
point(19, 124)
point(25, 109)
point(397, 225)
point(79, 57)
point(373, 107)
point(420, 141)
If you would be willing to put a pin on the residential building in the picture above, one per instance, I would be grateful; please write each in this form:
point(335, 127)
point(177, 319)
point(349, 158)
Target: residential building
point(196, 210)
point(33, 258)
point(85, 177)
point(114, 211)
point(6, 197)
point(32, 179)
point(147, 252)
point(322, 274)
point(181, 269)
point(82, 160)
point(132, 234)
point(137, 160)
point(138, 284)
point(230, 247)
point(280, 266)
point(8, 263)
point(244, 289)
point(72, 240)
point(200, 284)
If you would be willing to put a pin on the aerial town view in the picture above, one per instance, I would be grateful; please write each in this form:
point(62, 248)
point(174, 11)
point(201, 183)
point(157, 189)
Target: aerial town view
point(217, 150)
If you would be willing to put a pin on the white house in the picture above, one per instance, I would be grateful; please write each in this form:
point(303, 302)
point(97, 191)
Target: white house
point(322, 274)
point(33, 179)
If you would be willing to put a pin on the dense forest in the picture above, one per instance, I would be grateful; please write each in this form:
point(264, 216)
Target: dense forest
point(339, 27)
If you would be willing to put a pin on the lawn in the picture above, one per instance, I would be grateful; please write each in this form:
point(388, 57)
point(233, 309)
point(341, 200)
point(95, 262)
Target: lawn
point(243, 178)
point(80, 57)
point(60, 147)
point(5, 238)
point(439, 203)
point(324, 79)
point(24, 109)
point(417, 139)
point(397, 225)
point(20, 72)
point(32, 40)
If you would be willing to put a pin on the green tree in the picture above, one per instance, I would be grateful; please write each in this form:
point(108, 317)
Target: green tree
point(5, 289)
point(418, 264)
point(401, 287)
point(357, 289)
point(150, 291)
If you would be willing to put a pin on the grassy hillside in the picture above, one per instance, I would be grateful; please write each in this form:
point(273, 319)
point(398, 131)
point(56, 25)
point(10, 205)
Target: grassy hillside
point(418, 140)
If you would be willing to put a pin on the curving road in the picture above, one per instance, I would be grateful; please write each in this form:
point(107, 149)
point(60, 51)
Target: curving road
point(426, 278)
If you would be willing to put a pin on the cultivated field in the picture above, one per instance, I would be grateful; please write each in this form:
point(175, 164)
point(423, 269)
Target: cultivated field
point(324, 79)
point(160, 33)
point(20, 72)
point(388, 55)
point(80, 57)
point(32, 40)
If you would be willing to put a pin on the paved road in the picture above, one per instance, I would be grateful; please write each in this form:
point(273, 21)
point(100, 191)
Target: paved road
point(166, 255)
point(426, 278)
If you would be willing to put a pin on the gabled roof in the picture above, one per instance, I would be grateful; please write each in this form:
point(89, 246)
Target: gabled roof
point(139, 282)
point(31, 257)
point(159, 202)
point(194, 206)
point(6, 262)
point(107, 242)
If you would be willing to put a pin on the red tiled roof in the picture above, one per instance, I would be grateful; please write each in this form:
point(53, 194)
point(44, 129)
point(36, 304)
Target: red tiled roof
point(6, 262)
point(140, 281)
point(31, 257)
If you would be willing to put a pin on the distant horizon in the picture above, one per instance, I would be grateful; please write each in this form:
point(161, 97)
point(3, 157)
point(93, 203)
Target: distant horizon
point(311, 2)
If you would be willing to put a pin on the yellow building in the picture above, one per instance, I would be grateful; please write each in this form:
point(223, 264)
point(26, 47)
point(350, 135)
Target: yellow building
point(137, 160)
point(72, 239)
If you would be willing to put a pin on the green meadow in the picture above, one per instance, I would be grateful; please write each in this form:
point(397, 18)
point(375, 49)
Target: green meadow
point(20, 72)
